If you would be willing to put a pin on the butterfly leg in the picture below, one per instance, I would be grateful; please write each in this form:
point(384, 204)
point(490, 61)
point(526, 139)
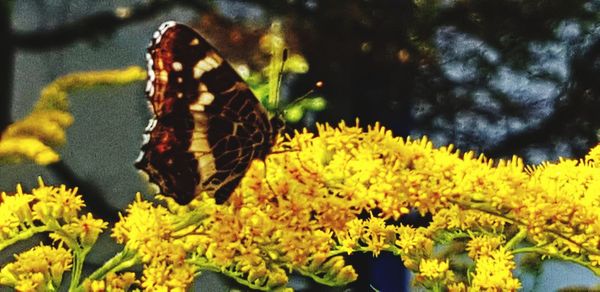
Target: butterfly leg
point(265, 173)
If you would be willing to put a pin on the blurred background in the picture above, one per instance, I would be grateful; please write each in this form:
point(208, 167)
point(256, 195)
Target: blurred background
point(500, 77)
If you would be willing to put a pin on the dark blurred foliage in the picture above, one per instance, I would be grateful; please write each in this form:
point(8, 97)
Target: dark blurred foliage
point(500, 77)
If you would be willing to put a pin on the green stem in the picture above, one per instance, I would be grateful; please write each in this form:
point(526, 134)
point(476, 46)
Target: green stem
point(204, 265)
point(522, 234)
point(122, 260)
point(543, 251)
point(315, 277)
point(192, 218)
point(22, 235)
point(79, 259)
point(516, 221)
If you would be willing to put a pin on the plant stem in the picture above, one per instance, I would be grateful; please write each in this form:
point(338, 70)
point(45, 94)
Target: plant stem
point(543, 251)
point(122, 260)
point(22, 235)
point(79, 259)
point(191, 218)
point(516, 239)
point(98, 24)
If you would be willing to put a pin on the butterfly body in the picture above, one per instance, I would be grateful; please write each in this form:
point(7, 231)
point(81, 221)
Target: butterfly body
point(207, 127)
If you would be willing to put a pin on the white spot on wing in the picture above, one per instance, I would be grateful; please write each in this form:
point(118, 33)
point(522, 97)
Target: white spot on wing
point(162, 29)
point(177, 66)
point(202, 87)
point(211, 61)
point(196, 107)
point(165, 25)
point(151, 125)
point(163, 76)
point(154, 188)
point(140, 157)
point(206, 98)
point(151, 77)
point(202, 151)
point(149, 88)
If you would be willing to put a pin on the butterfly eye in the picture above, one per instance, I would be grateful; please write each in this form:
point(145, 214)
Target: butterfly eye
point(277, 124)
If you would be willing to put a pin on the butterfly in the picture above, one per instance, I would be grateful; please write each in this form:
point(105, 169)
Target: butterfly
point(207, 127)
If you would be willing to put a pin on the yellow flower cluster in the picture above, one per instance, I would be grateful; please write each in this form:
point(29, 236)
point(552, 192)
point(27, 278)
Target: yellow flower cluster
point(38, 269)
point(299, 211)
point(325, 181)
point(493, 272)
point(319, 196)
point(35, 136)
point(55, 210)
point(163, 240)
point(434, 274)
point(112, 282)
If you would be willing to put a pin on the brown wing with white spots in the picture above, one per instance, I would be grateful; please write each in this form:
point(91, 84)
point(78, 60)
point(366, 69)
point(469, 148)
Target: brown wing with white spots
point(208, 126)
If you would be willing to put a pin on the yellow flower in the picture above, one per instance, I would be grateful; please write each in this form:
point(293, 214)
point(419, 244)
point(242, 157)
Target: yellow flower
point(47, 126)
point(434, 271)
point(120, 282)
point(112, 282)
point(34, 136)
point(15, 213)
point(56, 203)
point(414, 244)
point(37, 268)
point(54, 96)
point(483, 245)
point(31, 282)
point(457, 287)
point(378, 236)
point(143, 226)
point(348, 238)
point(494, 272)
point(160, 276)
point(86, 228)
point(14, 150)
point(94, 285)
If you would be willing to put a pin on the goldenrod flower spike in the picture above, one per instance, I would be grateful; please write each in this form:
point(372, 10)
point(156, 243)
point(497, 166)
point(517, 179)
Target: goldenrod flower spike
point(17, 150)
point(35, 136)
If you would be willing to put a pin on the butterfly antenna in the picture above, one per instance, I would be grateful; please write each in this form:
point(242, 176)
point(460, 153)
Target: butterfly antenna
point(284, 57)
point(318, 85)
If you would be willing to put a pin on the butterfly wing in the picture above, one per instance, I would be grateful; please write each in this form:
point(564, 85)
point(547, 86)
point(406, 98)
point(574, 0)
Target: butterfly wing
point(208, 126)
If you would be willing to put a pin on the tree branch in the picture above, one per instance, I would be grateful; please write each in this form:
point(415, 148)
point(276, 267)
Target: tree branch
point(95, 25)
point(7, 59)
